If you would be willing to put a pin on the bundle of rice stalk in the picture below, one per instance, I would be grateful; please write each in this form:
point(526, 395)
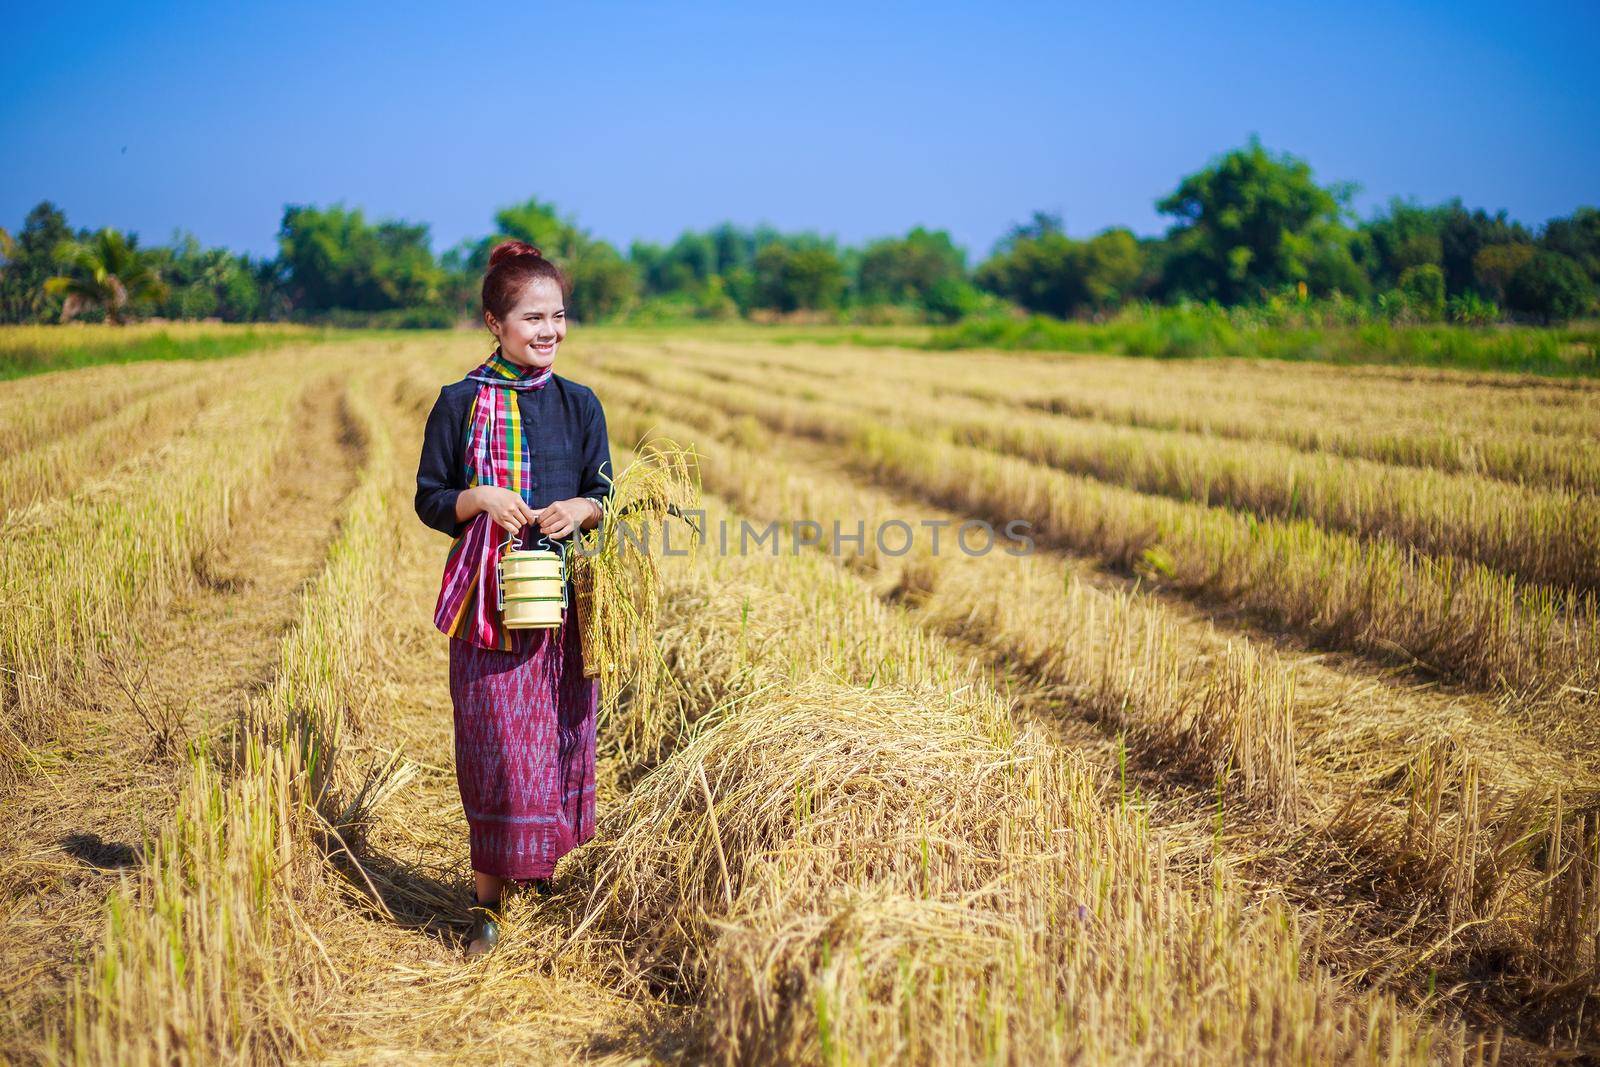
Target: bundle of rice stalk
point(884, 787)
point(837, 874)
point(617, 583)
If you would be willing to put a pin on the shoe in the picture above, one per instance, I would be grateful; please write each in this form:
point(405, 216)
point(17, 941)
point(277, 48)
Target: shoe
point(485, 932)
point(542, 886)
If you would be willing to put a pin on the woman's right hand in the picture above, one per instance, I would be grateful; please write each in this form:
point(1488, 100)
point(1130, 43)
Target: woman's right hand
point(505, 509)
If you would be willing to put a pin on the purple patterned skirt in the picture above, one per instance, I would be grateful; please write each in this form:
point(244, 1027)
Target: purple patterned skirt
point(524, 740)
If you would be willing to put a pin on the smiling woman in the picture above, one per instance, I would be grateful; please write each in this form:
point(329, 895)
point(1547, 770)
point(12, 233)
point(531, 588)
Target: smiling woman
point(513, 445)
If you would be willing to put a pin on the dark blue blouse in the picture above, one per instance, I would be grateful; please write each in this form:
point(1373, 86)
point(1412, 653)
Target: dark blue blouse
point(566, 431)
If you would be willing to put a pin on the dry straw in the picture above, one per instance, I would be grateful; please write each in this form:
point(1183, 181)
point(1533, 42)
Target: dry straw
point(842, 870)
point(1529, 432)
point(616, 579)
point(209, 954)
point(1201, 706)
point(1387, 600)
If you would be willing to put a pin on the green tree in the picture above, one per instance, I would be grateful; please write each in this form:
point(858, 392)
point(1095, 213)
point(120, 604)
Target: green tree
point(1039, 267)
point(953, 299)
point(712, 300)
point(1042, 224)
point(908, 269)
point(1419, 250)
point(1405, 235)
point(1494, 265)
point(737, 248)
point(603, 282)
point(1465, 234)
point(1448, 235)
point(740, 284)
point(649, 264)
point(688, 265)
point(333, 258)
point(30, 263)
point(109, 272)
point(1251, 222)
point(1578, 238)
point(1111, 263)
point(682, 267)
point(1549, 287)
point(804, 274)
point(538, 223)
point(205, 282)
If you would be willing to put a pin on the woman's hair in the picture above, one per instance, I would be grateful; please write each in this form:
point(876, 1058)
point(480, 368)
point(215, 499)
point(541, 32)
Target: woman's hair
point(512, 265)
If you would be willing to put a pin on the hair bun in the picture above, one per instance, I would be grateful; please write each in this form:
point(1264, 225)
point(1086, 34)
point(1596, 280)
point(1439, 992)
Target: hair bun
point(510, 250)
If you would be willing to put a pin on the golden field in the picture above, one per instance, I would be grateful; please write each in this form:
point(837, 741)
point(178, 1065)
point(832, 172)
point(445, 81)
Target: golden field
point(1280, 744)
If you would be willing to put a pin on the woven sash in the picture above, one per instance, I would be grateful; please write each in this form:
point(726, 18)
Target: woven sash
point(496, 454)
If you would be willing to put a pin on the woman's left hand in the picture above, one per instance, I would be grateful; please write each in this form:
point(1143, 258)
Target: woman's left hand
point(560, 518)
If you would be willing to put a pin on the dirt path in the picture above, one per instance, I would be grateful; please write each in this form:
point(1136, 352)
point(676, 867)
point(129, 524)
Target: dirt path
point(80, 822)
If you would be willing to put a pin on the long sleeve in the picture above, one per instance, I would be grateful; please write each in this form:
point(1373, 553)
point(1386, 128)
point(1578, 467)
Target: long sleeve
point(595, 478)
point(438, 469)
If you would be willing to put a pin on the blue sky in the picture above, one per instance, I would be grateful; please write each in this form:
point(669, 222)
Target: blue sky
point(855, 120)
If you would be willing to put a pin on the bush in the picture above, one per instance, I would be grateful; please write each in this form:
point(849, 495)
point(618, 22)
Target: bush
point(1424, 289)
point(1470, 309)
point(951, 300)
point(669, 309)
point(712, 300)
point(1206, 330)
point(1549, 287)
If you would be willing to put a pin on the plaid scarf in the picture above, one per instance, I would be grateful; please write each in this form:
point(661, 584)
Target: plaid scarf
point(497, 454)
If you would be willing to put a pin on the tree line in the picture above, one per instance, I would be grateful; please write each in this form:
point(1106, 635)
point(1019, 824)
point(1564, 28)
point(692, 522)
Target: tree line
point(1251, 226)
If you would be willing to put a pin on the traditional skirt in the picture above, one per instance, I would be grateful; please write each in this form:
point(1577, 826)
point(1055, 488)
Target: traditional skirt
point(524, 740)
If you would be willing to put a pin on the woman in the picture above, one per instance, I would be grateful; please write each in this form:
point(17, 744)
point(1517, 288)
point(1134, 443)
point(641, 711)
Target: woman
point(513, 449)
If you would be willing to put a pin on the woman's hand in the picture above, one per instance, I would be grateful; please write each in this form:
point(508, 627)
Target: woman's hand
point(561, 518)
point(506, 509)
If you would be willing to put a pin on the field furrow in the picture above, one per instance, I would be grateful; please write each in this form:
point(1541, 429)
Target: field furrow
point(1359, 398)
point(1014, 709)
point(208, 953)
point(111, 781)
point(75, 570)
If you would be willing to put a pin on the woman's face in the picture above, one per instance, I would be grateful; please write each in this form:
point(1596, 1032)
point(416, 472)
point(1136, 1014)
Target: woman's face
point(534, 327)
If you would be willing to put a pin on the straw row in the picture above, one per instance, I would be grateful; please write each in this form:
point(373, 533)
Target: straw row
point(38, 410)
point(1381, 599)
point(76, 569)
point(208, 955)
point(58, 466)
point(1533, 432)
point(1539, 535)
point(1220, 708)
point(873, 867)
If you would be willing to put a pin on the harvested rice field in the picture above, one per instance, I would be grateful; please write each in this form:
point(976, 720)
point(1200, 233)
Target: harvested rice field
point(1011, 709)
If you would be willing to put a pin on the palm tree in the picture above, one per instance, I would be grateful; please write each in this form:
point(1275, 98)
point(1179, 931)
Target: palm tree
point(107, 271)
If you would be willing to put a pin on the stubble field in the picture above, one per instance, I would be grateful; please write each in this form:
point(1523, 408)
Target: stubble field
point(1280, 745)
